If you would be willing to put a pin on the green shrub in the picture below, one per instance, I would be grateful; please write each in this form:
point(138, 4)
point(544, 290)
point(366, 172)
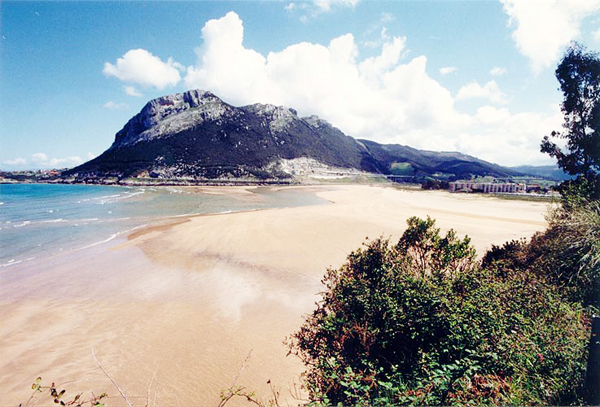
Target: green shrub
point(420, 322)
point(569, 250)
point(567, 253)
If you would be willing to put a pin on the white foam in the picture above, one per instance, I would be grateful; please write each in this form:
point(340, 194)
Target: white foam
point(11, 262)
point(53, 220)
point(118, 197)
point(111, 237)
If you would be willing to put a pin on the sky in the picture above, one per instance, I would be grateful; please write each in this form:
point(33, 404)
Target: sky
point(474, 76)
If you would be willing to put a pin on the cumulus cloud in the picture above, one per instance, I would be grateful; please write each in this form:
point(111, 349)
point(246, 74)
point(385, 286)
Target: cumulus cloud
point(225, 65)
point(143, 68)
point(378, 95)
point(387, 17)
point(39, 158)
point(326, 5)
point(376, 42)
point(42, 161)
point(543, 27)
point(131, 91)
point(115, 106)
point(311, 9)
point(447, 70)
point(386, 98)
point(15, 162)
point(498, 71)
point(489, 91)
point(65, 162)
point(511, 138)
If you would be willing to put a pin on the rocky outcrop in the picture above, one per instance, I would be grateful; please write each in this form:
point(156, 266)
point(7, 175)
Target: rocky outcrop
point(169, 115)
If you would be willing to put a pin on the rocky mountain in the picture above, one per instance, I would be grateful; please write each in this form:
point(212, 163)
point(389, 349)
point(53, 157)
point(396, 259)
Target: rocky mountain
point(196, 136)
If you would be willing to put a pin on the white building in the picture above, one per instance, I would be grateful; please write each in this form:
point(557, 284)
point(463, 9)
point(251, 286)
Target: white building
point(487, 187)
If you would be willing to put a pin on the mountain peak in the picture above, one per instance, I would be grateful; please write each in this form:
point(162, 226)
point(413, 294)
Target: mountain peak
point(142, 126)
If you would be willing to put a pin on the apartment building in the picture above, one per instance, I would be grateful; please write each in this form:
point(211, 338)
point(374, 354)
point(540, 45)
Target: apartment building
point(487, 187)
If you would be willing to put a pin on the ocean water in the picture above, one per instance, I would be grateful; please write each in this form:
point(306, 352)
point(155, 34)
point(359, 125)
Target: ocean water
point(42, 220)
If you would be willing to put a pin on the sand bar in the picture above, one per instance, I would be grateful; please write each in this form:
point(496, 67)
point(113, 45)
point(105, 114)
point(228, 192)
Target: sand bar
point(187, 302)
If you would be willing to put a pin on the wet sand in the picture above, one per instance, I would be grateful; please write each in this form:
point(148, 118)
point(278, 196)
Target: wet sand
point(186, 303)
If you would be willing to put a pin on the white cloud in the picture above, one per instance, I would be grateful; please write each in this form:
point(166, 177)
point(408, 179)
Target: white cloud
point(131, 91)
point(313, 8)
point(498, 71)
point(65, 162)
point(383, 98)
point(325, 6)
point(371, 69)
point(596, 35)
point(376, 96)
point(387, 18)
point(223, 64)
point(42, 161)
point(510, 138)
point(90, 155)
point(115, 106)
point(544, 27)
point(376, 43)
point(39, 158)
point(16, 162)
point(447, 70)
point(489, 91)
point(141, 67)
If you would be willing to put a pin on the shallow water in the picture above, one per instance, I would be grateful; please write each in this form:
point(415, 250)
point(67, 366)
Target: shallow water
point(40, 220)
point(187, 303)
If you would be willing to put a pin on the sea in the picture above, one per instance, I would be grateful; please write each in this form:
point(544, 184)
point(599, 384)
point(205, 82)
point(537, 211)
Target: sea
point(39, 221)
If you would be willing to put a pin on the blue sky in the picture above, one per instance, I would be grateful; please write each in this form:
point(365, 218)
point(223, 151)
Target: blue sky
point(472, 76)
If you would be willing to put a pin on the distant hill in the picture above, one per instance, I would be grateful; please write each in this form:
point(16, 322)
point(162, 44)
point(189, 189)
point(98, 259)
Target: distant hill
point(196, 136)
point(548, 171)
point(402, 160)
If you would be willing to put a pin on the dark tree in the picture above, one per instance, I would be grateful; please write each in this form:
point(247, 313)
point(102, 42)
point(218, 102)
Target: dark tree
point(579, 76)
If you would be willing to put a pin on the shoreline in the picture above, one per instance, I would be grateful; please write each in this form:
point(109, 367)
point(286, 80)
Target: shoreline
point(189, 299)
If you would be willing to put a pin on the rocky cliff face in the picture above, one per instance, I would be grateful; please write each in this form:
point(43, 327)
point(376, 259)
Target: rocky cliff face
point(169, 115)
point(196, 136)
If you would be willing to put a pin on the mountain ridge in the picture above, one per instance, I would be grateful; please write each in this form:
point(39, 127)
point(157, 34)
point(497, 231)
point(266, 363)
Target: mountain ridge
point(197, 136)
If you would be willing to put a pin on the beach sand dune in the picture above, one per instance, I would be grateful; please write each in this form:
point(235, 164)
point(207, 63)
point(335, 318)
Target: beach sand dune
point(187, 302)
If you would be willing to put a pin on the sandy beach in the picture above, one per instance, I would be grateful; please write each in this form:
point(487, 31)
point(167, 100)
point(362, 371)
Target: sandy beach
point(174, 310)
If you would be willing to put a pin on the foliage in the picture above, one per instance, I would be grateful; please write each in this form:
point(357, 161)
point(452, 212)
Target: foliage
point(58, 396)
point(420, 322)
point(435, 184)
point(567, 253)
point(579, 76)
point(236, 391)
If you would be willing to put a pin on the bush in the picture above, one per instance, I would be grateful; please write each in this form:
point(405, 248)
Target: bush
point(420, 322)
point(567, 253)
